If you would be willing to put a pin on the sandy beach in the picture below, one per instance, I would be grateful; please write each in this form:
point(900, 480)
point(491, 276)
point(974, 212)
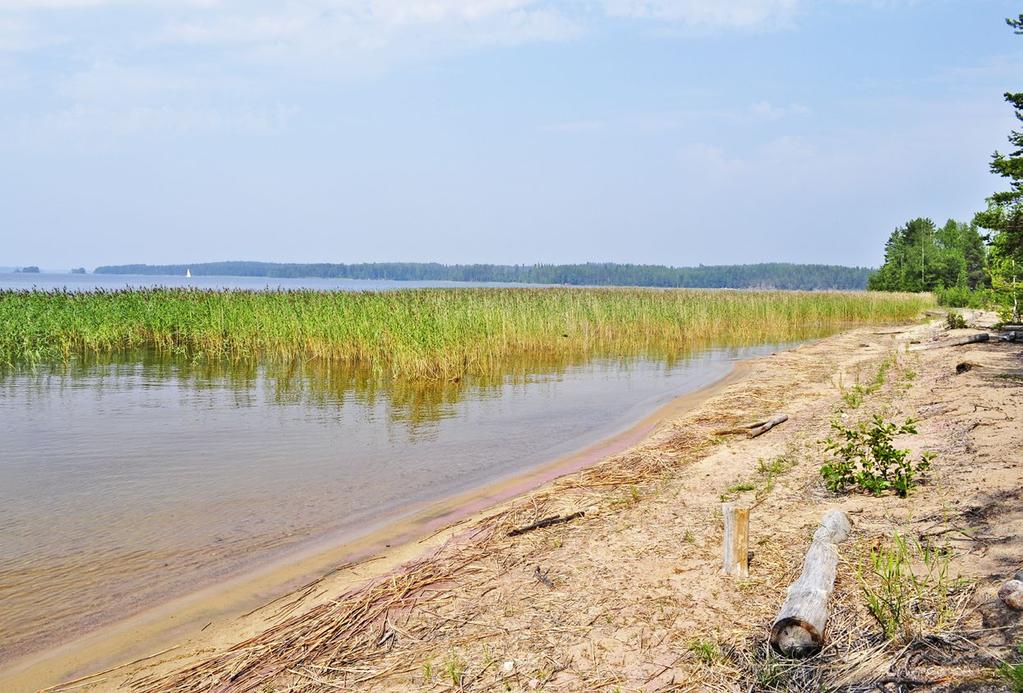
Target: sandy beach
point(628, 595)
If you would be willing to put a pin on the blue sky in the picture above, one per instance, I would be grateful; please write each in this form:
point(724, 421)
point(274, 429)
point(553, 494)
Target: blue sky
point(511, 131)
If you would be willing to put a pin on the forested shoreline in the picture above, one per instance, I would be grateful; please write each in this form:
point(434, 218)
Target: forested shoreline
point(765, 275)
point(957, 262)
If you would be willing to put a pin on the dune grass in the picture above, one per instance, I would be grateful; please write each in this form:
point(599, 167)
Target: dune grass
point(427, 333)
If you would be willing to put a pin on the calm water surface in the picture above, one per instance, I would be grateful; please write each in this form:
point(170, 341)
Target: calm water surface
point(90, 282)
point(136, 478)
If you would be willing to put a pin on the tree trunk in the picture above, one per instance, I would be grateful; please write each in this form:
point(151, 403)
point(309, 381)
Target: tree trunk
point(798, 630)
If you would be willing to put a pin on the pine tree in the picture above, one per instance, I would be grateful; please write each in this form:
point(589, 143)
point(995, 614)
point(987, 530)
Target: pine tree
point(1004, 215)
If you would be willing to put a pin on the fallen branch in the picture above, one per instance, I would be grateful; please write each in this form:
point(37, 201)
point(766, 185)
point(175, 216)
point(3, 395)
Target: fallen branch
point(755, 429)
point(546, 522)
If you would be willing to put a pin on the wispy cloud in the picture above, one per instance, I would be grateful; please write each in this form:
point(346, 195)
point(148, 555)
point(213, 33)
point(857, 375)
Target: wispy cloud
point(743, 14)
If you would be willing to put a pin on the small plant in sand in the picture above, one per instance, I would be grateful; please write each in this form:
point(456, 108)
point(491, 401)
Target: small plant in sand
point(454, 669)
point(1013, 673)
point(762, 484)
point(908, 589)
point(854, 396)
point(955, 321)
point(864, 458)
point(706, 650)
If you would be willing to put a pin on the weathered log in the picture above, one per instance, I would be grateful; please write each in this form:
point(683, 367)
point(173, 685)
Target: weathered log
point(546, 522)
point(752, 430)
point(962, 341)
point(735, 546)
point(798, 630)
point(1011, 594)
point(768, 425)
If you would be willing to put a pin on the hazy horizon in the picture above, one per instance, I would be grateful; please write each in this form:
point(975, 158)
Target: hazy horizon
point(668, 132)
point(91, 269)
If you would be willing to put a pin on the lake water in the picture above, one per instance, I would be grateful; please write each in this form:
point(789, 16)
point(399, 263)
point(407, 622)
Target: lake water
point(91, 282)
point(131, 479)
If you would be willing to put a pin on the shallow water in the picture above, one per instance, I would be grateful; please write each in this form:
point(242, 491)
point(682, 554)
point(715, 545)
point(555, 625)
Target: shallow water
point(129, 480)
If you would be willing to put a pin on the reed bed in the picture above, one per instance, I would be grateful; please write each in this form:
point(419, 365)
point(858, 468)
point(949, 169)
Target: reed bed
point(425, 333)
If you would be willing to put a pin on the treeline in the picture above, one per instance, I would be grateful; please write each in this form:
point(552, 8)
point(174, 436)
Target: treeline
point(767, 275)
point(955, 261)
point(922, 257)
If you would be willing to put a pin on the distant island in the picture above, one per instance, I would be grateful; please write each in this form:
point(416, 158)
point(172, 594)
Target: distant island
point(78, 270)
point(775, 275)
point(31, 269)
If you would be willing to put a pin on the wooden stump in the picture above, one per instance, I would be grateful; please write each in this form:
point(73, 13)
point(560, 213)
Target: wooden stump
point(798, 630)
point(736, 542)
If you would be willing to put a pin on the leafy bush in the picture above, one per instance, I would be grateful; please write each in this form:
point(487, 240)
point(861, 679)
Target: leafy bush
point(961, 297)
point(955, 321)
point(864, 458)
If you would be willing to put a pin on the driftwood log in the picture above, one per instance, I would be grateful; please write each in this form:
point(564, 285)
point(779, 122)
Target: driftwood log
point(756, 428)
point(798, 629)
point(735, 547)
point(962, 341)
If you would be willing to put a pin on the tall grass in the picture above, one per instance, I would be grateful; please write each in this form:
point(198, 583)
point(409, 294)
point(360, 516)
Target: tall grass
point(432, 333)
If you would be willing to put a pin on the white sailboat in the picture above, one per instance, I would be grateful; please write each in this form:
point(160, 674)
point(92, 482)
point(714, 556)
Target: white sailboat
point(188, 273)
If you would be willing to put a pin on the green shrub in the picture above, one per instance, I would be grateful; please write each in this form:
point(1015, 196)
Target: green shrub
point(955, 321)
point(864, 458)
point(961, 297)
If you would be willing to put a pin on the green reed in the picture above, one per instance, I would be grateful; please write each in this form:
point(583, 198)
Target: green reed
point(431, 333)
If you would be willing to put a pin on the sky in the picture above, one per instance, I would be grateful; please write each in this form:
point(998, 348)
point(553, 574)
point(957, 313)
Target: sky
point(672, 132)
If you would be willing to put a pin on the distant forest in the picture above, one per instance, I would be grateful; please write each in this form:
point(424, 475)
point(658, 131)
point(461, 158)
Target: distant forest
point(765, 276)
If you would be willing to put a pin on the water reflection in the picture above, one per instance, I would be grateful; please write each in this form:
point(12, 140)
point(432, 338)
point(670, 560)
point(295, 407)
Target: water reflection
point(129, 478)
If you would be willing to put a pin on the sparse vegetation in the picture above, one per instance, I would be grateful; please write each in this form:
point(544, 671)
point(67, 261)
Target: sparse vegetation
point(854, 397)
point(763, 483)
point(1013, 672)
point(908, 588)
point(705, 649)
point(864, 458)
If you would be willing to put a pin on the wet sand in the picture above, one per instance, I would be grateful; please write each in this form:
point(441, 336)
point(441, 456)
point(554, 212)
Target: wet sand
point(211, 617)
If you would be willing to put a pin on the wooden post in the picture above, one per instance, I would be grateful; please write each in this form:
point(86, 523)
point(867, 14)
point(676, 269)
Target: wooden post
point(736, 541)
point(798, 630)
